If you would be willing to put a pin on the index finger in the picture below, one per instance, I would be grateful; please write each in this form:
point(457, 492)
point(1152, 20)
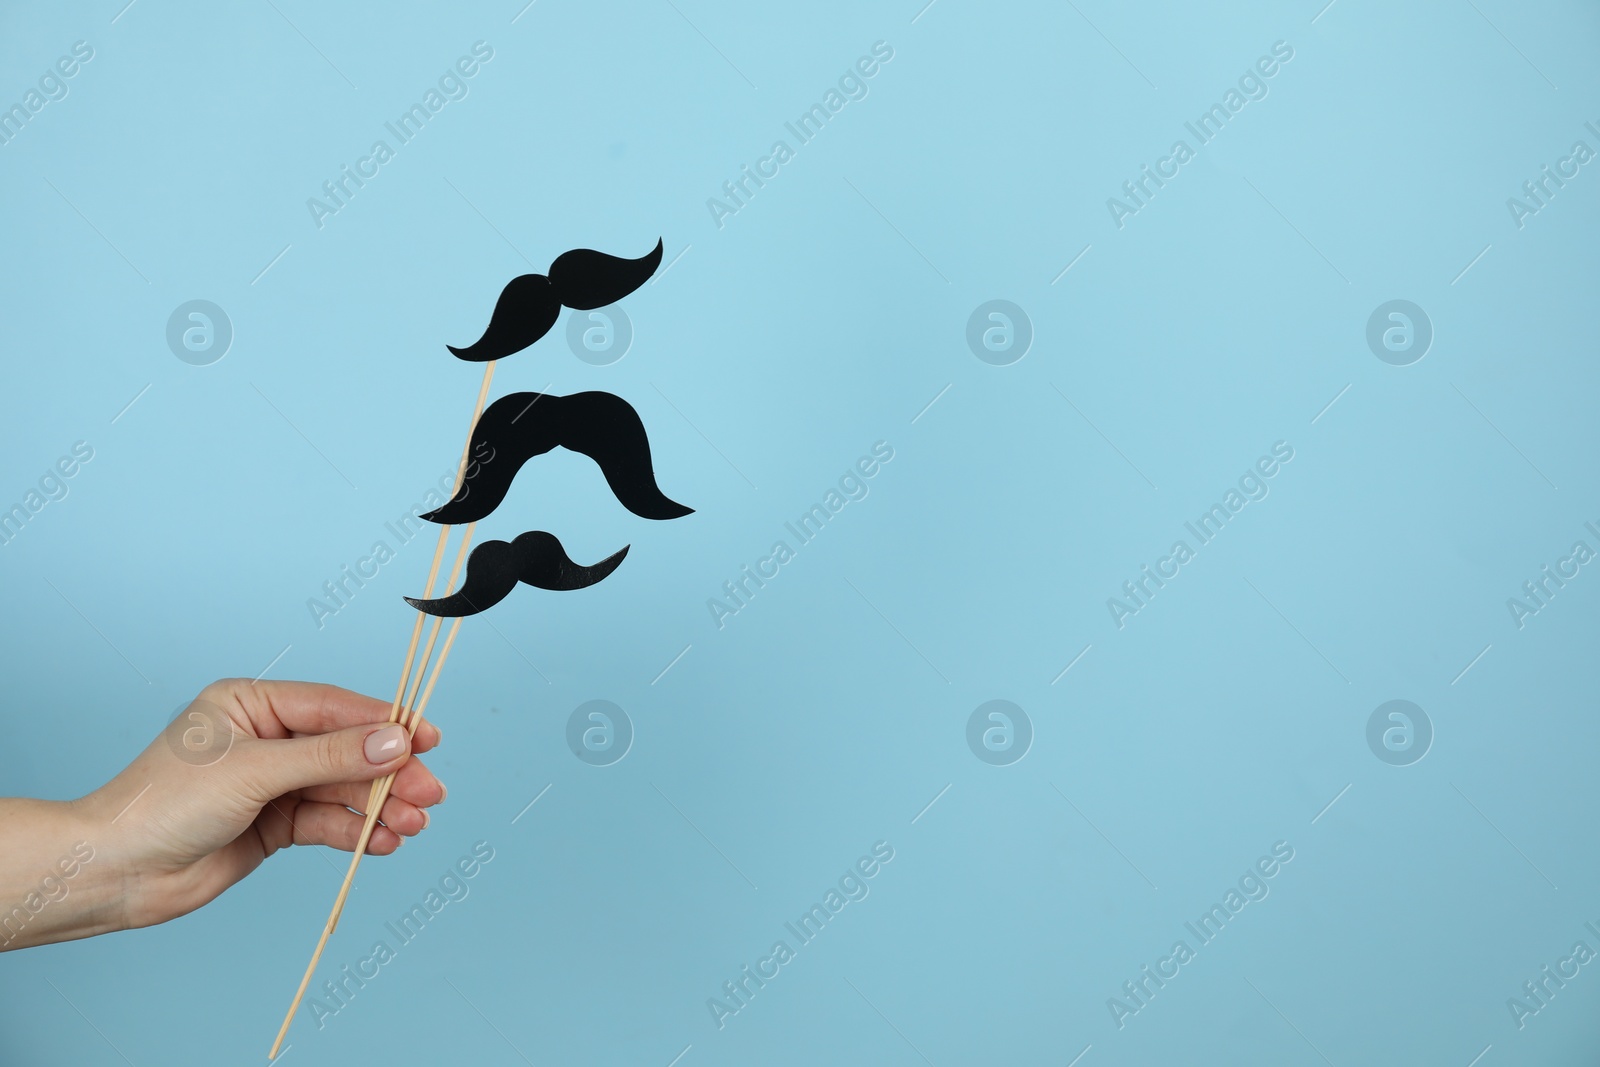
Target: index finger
point(284, 709)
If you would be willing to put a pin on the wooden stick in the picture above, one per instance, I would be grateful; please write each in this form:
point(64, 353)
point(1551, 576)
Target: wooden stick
point(380, 790)
point(376, 796)
point(375, 799)
point(444, 654)
point(421, 706)
point(396, 709)
point(395, 715)
point(385, 784)
point(416, 633)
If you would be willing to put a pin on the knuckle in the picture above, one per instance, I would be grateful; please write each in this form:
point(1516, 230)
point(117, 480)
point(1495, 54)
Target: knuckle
point(328, 756)
point(221, 689)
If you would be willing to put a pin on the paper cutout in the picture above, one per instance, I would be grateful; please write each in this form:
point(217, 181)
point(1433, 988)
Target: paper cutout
point(519, 426)
point(495, 567)
point(582, 279)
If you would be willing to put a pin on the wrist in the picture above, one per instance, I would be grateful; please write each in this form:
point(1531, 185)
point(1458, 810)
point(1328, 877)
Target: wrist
point(59, 884)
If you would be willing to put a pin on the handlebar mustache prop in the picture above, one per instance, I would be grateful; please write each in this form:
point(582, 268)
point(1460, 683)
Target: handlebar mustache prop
point(519, 426)
point(582, 279)
point(495, 567)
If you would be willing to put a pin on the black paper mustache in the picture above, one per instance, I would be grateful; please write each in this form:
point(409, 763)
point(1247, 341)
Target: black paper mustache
point(495, 567)
point(582, 279)
point(519, 426)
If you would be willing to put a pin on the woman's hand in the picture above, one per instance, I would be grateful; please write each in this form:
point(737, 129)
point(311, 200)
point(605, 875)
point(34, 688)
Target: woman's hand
point(245, 770)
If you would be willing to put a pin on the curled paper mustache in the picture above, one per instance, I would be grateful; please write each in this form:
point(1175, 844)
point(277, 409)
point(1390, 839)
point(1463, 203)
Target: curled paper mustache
point(495, 567)
point(519, 426)
point(582, 279)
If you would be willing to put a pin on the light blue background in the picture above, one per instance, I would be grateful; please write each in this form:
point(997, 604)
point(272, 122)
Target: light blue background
point(822, 318)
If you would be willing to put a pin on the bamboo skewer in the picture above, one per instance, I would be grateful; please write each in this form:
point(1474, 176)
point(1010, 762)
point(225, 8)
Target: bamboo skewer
point(381, 787)
point(400, 710)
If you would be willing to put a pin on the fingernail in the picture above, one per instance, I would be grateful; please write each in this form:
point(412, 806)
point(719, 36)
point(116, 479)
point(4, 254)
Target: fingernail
point(443, 792)
point(385, 744)
point(426, 818)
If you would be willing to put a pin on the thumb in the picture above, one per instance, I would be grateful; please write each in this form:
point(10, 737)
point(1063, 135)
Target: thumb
point(268, 769)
